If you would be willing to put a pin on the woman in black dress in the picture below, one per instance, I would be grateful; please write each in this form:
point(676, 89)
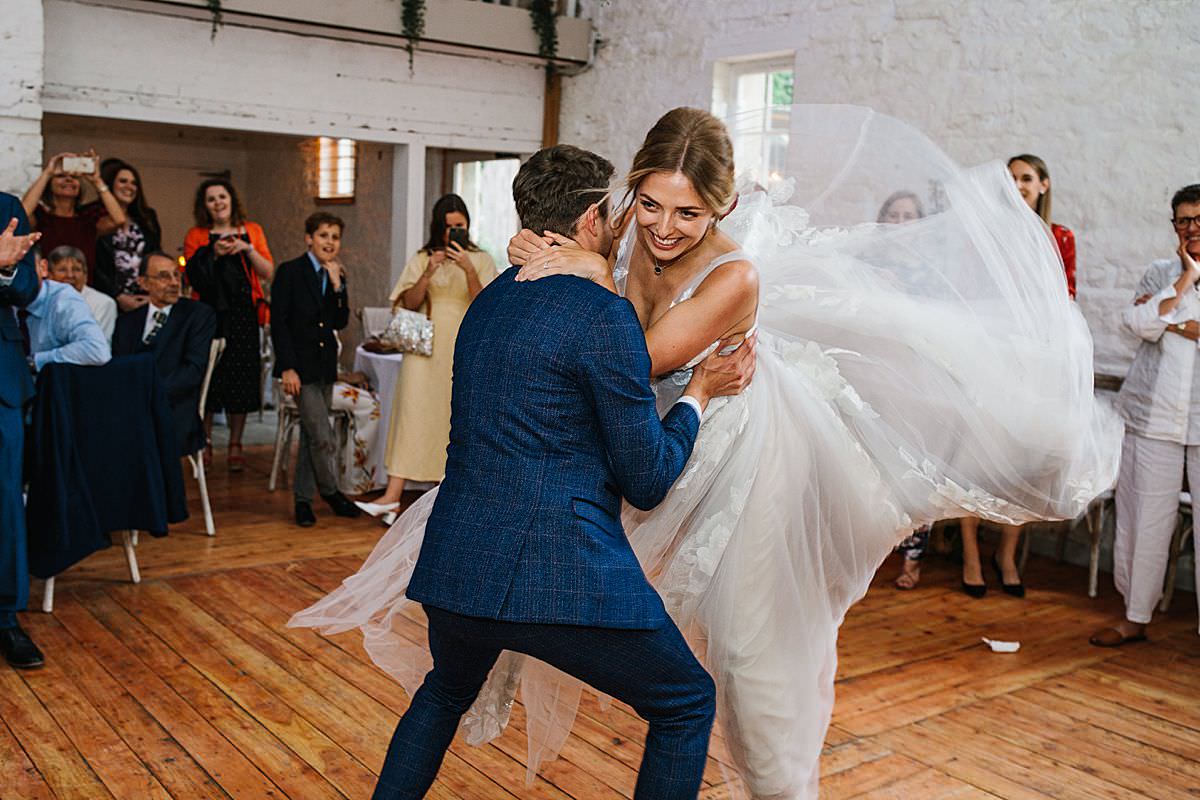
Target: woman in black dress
point(227, 262)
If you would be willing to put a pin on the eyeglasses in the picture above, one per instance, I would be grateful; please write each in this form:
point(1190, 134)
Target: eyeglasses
point(1183, 223)
point(164, 276)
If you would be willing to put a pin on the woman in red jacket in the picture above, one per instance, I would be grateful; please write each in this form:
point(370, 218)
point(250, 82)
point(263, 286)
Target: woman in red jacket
point(228, 262)
point(1033, 182)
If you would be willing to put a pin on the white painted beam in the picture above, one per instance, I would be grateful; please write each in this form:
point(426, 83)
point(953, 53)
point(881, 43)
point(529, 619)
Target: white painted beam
point(270, 81)
point(408, 204)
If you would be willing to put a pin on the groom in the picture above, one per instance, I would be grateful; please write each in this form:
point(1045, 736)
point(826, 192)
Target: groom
point(553, 422)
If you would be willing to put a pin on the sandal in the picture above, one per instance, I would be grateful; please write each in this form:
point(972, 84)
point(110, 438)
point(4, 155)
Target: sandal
point(910, 577)
point(235, 459)
point(1112, 637)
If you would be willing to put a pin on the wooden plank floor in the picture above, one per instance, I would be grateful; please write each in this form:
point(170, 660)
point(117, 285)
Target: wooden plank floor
point(189, 686)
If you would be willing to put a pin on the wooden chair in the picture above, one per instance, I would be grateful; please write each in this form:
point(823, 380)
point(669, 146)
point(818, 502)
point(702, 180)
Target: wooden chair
point(285, 429)
point(1100, 520)
point(196, 460)
point(266, 361)
point(1093, 518)
point(1183, 531)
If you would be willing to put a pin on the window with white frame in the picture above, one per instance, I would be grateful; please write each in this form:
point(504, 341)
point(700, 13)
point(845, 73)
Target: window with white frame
point(486, 187)
point(336, 163)
point(754, 97)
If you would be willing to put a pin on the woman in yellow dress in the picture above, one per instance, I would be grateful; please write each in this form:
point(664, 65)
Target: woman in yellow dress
point(441, 279)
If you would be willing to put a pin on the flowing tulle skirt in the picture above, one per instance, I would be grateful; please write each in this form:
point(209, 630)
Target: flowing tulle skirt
point(907, 373)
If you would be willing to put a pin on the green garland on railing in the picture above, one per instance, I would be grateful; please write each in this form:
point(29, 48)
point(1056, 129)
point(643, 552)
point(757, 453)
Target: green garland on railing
point(412, 21)
point(545, 25)
point(214, 6)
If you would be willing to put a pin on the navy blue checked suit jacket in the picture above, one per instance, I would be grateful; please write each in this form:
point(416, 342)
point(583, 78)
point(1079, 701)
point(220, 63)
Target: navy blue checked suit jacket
point(15, 384)
point(552, 422)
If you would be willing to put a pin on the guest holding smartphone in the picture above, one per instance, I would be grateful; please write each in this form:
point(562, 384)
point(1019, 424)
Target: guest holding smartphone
point(227, 262)
point(442, 279)
point(54, 205)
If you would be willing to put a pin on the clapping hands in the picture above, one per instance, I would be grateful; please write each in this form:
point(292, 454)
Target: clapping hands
point(13, 247)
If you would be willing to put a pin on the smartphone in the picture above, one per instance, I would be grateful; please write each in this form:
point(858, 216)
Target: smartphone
point(460, 237)
point(79, 165)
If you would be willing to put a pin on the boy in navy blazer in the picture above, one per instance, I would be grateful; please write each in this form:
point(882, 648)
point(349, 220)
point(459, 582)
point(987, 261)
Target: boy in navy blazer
point(308, 303)
point(553, 421)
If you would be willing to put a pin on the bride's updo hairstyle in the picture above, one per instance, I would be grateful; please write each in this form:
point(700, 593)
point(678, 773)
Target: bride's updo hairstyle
point(692, 142)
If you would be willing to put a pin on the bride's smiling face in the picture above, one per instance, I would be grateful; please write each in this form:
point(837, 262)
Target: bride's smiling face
point(671, 217)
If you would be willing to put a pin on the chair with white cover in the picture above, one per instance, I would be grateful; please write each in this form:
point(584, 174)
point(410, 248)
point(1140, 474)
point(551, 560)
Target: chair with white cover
point(129, 539)
point(375, 320)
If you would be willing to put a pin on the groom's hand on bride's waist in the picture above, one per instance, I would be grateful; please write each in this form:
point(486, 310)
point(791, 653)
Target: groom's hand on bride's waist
point(724, 373)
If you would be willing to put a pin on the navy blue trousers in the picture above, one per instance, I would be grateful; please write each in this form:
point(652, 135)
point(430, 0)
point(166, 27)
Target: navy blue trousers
point(14, 563)
point(653, 671)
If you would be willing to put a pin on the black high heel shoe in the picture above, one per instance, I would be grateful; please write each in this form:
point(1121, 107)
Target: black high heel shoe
point(976, 590)
point(1015, 589)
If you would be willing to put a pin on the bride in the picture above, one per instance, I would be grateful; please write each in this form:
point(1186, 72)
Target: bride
point(906, 373)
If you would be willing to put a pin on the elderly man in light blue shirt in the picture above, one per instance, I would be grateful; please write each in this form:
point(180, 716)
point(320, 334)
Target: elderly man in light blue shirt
point(62, 329)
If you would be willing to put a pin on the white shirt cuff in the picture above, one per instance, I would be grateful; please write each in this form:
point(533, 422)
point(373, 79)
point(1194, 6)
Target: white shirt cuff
point(694, 403)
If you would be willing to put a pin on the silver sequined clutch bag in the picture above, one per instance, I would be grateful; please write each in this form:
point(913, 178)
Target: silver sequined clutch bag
point(409, 332)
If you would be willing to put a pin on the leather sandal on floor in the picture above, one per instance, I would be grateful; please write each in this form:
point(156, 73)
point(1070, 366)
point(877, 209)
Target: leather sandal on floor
point(1112, 637)
point(235, 459)
point(908, 578)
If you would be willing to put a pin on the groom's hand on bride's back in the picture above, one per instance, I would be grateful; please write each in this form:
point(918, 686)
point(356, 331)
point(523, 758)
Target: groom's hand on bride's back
point(724, 373)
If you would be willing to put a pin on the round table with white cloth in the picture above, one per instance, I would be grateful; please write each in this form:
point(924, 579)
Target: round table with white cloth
point(382, 370)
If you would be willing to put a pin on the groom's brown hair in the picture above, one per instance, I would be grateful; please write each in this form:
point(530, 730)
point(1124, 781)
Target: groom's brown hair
point(556, 185)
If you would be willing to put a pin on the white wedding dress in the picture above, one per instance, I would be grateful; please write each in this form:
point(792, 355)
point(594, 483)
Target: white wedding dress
point(906, 373)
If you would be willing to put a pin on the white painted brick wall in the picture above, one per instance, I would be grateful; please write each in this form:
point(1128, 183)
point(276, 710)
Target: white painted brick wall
point(1102, 89)
point(21, 45)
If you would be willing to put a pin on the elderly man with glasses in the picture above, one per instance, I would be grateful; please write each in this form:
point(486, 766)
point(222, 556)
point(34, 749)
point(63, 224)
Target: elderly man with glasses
point(179, 332)
point(1160, 402)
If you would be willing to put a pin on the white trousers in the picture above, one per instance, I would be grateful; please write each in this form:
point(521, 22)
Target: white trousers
point(1148, 487)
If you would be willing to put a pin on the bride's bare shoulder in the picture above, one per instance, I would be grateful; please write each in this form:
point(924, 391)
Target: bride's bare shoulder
point(737, 274)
